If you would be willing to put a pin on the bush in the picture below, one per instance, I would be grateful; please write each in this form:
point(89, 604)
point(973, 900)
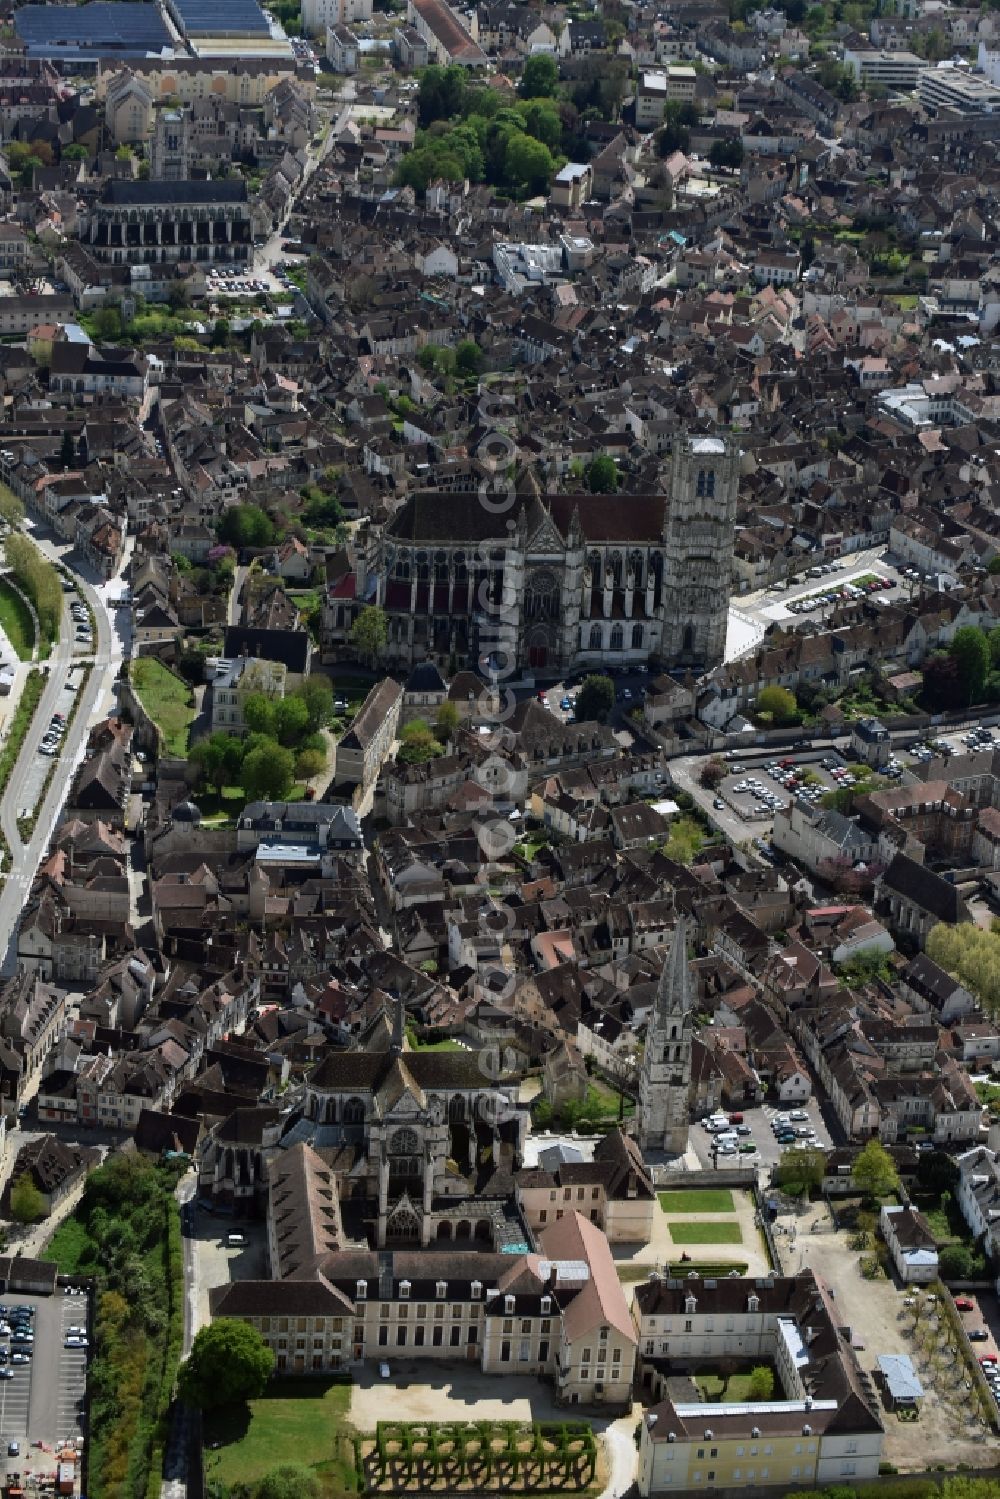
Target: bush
point(39, 580)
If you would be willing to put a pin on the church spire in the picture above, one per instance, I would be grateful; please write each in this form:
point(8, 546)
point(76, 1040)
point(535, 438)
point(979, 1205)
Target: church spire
point(673, 995)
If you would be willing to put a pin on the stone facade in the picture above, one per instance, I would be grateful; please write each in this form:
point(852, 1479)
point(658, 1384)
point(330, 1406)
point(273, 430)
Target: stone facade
point(665, 1079)
point(561, 583)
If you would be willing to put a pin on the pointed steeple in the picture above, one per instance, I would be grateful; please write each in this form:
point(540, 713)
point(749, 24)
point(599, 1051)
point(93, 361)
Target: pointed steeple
point(673, 996)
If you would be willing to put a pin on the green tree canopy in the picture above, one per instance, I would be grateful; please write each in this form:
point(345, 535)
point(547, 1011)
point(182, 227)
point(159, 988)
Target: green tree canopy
point(418, 743)
point(220, 759)
point(310, 762)
point(229, 1364)
point(726, 153)
point(268, 772)
point(291, 719)
point(370, 633)
point(259, 713)
point(317, 694)
point(971, 650)
point(246, 526)
point(446, 721)
point(761, 1383)
point(540, 78)
point(468, 357)
point(778, 704)
point(27, 1205)
point(595, 699)
point(874, 1173)
point(602, 474)
point(528, 164)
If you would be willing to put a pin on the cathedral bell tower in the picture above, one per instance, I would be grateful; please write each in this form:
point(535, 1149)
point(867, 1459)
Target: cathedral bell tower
point(665, 1079)
point(699, 538)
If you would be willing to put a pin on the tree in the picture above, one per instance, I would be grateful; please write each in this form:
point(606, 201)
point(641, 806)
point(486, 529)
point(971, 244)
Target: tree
point(229, 1363)
point(800, 1170)
point(595, 699)
point(528, 165)
point(874, 1173)
point(540, 78)
point(220, 759)
point(259, 714)
point(11, 509)
point(290, 1481)
point(291, 719)
point(726, 153)
point(777, 704)
point(317, 694)
point(955, 1262)
point(268, 772)
point(942, 687)
point(418, 743)
point(971, 650)
point(310, 762)
point(75, 153)
point(712, 774)
point(468, 357)
point(370, 633)
point(761, 1383)
point(27, 1205)
point(446, 721)
point(936, 1172)
point(602, 474)
point(220, 333)
point(246, 526)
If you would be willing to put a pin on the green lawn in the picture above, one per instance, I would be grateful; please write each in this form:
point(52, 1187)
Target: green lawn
point(15, 617)
point(697, 1200)
point(167, 699)
point(732, 1391)
point(298, 1421)
point(706, 1233)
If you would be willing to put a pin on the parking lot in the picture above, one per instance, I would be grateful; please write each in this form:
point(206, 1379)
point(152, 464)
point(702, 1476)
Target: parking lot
point(757, 1122)
point(759, 788)
point(42, 1398)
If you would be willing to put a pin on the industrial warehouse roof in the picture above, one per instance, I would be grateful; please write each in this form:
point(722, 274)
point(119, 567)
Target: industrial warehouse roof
point(220, 17)
point(126, 28)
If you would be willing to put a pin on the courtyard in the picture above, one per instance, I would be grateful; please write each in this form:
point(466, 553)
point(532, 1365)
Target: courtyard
point(879, 1322)
point(708, 1228)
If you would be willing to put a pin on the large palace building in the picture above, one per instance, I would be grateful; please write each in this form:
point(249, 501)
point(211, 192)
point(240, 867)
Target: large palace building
point(556, 583)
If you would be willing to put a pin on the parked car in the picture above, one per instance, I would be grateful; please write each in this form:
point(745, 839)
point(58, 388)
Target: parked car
point(978, 1335)
point(964, 1304)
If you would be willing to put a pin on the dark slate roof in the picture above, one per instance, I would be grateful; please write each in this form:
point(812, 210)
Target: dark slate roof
point(162, 194)
point(290, 647)
point(933, 894)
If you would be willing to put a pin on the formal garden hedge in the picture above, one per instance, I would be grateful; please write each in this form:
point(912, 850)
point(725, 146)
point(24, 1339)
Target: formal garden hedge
point(517, 1457)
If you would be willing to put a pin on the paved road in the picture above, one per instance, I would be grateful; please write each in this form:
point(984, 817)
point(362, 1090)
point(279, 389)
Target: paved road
point(91, 701)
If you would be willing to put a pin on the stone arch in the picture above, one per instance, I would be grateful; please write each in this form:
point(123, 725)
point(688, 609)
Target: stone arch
point(444, 1229)
point(484, 1229)
point(637, 637)
point(617, 638)
point(595, 638)
point(687, 640)
point(463, 1229)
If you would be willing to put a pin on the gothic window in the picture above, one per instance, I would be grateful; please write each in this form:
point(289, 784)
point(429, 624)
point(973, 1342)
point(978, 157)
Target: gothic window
point(595, 637)
point(635, 564)
point(461, 570)
point(594, 563)
point(706, 484)
point(354, 1111)
point(617, 637)
point(687, 643)
point(637, 637)
point(404, 1142)
point(541, 596)
point(403, 570)
point(616, 568)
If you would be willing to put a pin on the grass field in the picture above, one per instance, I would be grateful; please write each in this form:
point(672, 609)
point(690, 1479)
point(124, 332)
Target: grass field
point(15, 617)
point(167, 699)
point(706, 1233)
point(697, 1200)
point(300, 1422)
point(731, 1391)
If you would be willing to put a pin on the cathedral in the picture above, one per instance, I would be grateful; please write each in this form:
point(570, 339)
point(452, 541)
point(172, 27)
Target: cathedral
point(665, 1079)
point(551, 584)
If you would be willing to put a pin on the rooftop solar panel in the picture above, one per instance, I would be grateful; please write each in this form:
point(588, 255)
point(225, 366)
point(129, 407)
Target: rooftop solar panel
point(128, 26)
point(221, 17)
